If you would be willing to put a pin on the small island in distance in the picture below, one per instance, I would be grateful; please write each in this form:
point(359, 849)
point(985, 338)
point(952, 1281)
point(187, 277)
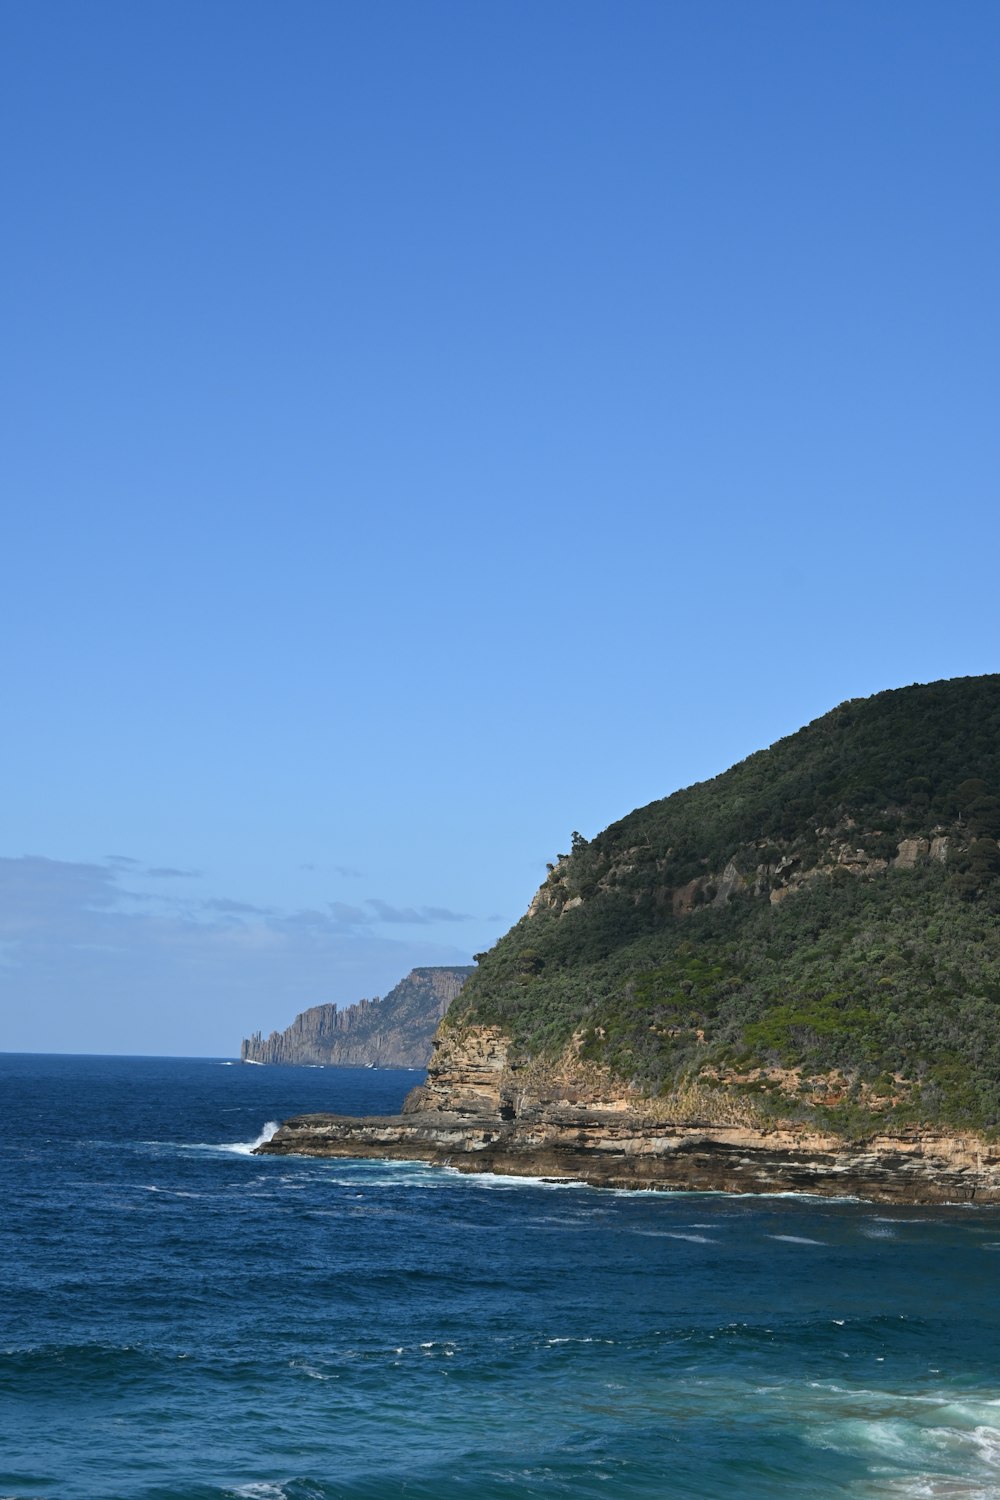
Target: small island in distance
point(784, 978)
point(395, 1031)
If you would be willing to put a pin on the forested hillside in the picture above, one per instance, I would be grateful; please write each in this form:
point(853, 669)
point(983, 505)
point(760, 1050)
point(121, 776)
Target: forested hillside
point(818, 927)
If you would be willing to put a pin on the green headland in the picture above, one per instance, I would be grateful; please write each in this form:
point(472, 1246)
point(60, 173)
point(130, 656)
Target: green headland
point(815, 931)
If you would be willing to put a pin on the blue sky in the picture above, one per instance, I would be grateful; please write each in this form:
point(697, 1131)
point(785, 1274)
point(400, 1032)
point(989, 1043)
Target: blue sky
point(431, 429)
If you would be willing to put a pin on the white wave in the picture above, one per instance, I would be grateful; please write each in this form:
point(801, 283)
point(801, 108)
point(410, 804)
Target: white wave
point(674, 1234)
point(563, 1221)
point(946, 1448)
point(313, 1374)
point(987, 1441)
point(927, 1487)
point(893, 1437)
point(814, 1199)
point(247, 1148)
point(373, 1174)
point(794, 1239)
point(582, 1339)
point(259, 1490)
point(506, 1181)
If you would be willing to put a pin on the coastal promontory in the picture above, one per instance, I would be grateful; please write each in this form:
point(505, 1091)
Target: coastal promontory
point(784, 978)
point(394, 1031)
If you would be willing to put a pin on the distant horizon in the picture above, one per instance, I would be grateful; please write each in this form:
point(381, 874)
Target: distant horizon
point(207, 1057)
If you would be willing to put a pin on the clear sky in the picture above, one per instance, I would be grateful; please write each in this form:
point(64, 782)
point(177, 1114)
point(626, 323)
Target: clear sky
point(433, 428)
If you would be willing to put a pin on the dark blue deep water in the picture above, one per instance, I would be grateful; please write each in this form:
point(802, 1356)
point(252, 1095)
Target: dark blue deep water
point(181, 1320)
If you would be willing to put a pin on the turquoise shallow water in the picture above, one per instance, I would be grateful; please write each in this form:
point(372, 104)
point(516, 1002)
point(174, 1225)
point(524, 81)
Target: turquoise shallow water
point(181, 1320)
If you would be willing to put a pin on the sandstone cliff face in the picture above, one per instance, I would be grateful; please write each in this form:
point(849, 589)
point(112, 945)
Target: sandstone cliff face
point(768, 871)
point(466, 1075)
point(394, 1032)
point(479, 1113)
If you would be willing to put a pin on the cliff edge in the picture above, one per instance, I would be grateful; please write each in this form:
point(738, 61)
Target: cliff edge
point(479, 1112)
point(393, 1032)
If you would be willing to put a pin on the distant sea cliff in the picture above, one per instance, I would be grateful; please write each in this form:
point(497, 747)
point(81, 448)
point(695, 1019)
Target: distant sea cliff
point(392, 1032)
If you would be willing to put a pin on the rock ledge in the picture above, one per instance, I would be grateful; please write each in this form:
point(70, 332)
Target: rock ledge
point(477, 1114)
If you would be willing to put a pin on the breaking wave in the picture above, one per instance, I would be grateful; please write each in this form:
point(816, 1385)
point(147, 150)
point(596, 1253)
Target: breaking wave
point(247, 1148)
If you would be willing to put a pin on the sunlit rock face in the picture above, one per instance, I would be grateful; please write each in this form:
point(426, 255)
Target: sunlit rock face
point(393, 1032)
point(477, 1113)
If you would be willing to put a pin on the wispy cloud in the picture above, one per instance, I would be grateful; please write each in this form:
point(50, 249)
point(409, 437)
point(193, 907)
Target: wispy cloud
point(235, 908)
point(349, 916)
point(376, 910)
point(346, 872)
point(89, 961)
point(413, 915)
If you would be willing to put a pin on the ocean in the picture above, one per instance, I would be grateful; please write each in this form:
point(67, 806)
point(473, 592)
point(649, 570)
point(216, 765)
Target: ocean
point(181, 1320)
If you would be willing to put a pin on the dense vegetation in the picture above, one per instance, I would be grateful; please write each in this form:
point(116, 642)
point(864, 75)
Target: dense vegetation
point(765, 921)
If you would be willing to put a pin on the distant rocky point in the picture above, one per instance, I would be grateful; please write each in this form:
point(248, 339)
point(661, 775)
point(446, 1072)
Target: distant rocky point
point(392, 1032)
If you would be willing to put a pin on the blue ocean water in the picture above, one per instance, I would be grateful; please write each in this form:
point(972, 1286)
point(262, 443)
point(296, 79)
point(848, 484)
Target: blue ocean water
point(181, 1320)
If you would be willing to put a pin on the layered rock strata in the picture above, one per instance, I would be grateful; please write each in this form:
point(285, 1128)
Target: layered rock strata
point(478, 1113)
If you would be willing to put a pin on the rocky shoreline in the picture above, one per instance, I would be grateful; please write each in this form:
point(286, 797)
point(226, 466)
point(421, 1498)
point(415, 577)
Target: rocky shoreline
point(477, 1114)
point(915, 1168)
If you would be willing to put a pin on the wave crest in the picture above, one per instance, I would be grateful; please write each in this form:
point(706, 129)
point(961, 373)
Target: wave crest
point(247, 1148)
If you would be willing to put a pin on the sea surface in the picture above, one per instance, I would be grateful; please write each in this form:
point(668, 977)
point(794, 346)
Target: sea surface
point(181, 1320)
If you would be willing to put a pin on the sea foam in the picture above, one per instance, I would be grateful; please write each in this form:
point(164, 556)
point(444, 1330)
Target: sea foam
point(247, 1148)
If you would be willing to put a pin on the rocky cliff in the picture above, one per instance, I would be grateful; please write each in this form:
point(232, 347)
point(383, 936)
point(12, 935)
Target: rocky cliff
point(787, 976)
point(391, 1032)
point(817, 927)
point(479, 1112)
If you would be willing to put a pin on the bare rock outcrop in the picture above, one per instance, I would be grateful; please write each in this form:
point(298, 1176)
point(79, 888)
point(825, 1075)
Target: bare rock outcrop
point(762, 870)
